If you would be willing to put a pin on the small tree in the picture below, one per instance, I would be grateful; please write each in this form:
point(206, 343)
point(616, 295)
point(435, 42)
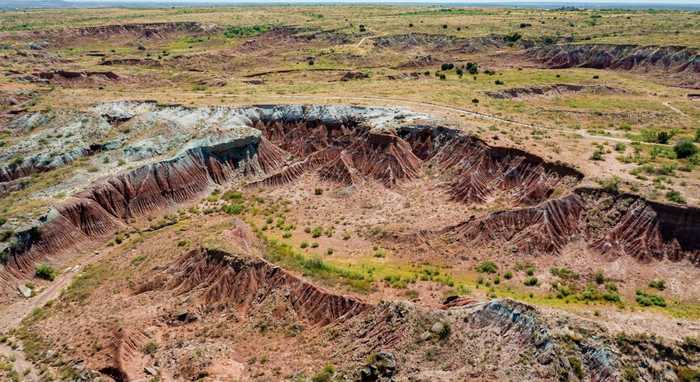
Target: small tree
point(685, 148)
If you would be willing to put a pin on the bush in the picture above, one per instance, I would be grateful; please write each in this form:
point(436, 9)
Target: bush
point(316, 232)
point(513, 37)
point(447, 66)
point(233, 209)
point(472, 68)
point(245, 31)
point(685, 148)
point(46, 272)
point(697, 135)
point(597, 155)
point(611, 296)
point(475, 101)
point(499, 82)
point(663, 137)
point(675, 196)
point(657, 284)
point(611, 185)
point(508, 275)
point(233, 195)
point(599, 277)
point(318, 191)
point(648, 299)
point(150, 348)
point(325, 375)
point(487, 267)
point(531, 281)
point(564, 273)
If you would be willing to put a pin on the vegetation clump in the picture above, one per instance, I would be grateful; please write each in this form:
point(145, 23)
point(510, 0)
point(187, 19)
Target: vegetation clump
point(45, 271)
point(487, 267)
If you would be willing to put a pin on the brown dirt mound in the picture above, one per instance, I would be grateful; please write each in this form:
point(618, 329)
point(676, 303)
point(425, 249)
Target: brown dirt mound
point(622, 225)
point(104, 207)
point(477, 171)
point(221, 278)
point(131, 61)
point(66, 78)
point(443, 43)
point(140, 30)
point(552, 90)
point(342, 152)
point(670, 59)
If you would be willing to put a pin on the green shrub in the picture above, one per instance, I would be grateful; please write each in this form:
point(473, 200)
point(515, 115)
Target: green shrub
point(599, 277)
point(564, 273)
point(663, 137)
point(675, 196)
point(487, 267)
point(316, 232)
point(303, 244)
point(576, 367)
point(657, 284)
point(611, 296)
point(46, 272)
point(318, 191)
point(597, 155)
point(245, 31)
point(648, 299)
point(233, 209)
point(325, 375)
point(685, 148)
point(150, 348)
point(233, 195)
point(611, 185)
point(531, 281)
point(508, 275)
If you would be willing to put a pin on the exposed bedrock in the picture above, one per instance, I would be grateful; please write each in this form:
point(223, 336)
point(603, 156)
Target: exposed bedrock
point(476, 172)
point(503, 334)
point(552, 90)
point(143, 30)
point(108, 204)
point(273, 145)
point(223, 278)
point(672, 59)
point(616, 224)
point(446, 43)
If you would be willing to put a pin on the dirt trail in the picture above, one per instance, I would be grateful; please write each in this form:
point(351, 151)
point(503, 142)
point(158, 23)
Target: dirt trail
point(675, 109)
point(12, 315)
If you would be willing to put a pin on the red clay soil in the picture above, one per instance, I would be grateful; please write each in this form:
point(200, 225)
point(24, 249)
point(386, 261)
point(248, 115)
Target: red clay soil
point(348, 152)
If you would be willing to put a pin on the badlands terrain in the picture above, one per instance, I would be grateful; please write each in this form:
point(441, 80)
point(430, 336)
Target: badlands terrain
point(349, 193)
